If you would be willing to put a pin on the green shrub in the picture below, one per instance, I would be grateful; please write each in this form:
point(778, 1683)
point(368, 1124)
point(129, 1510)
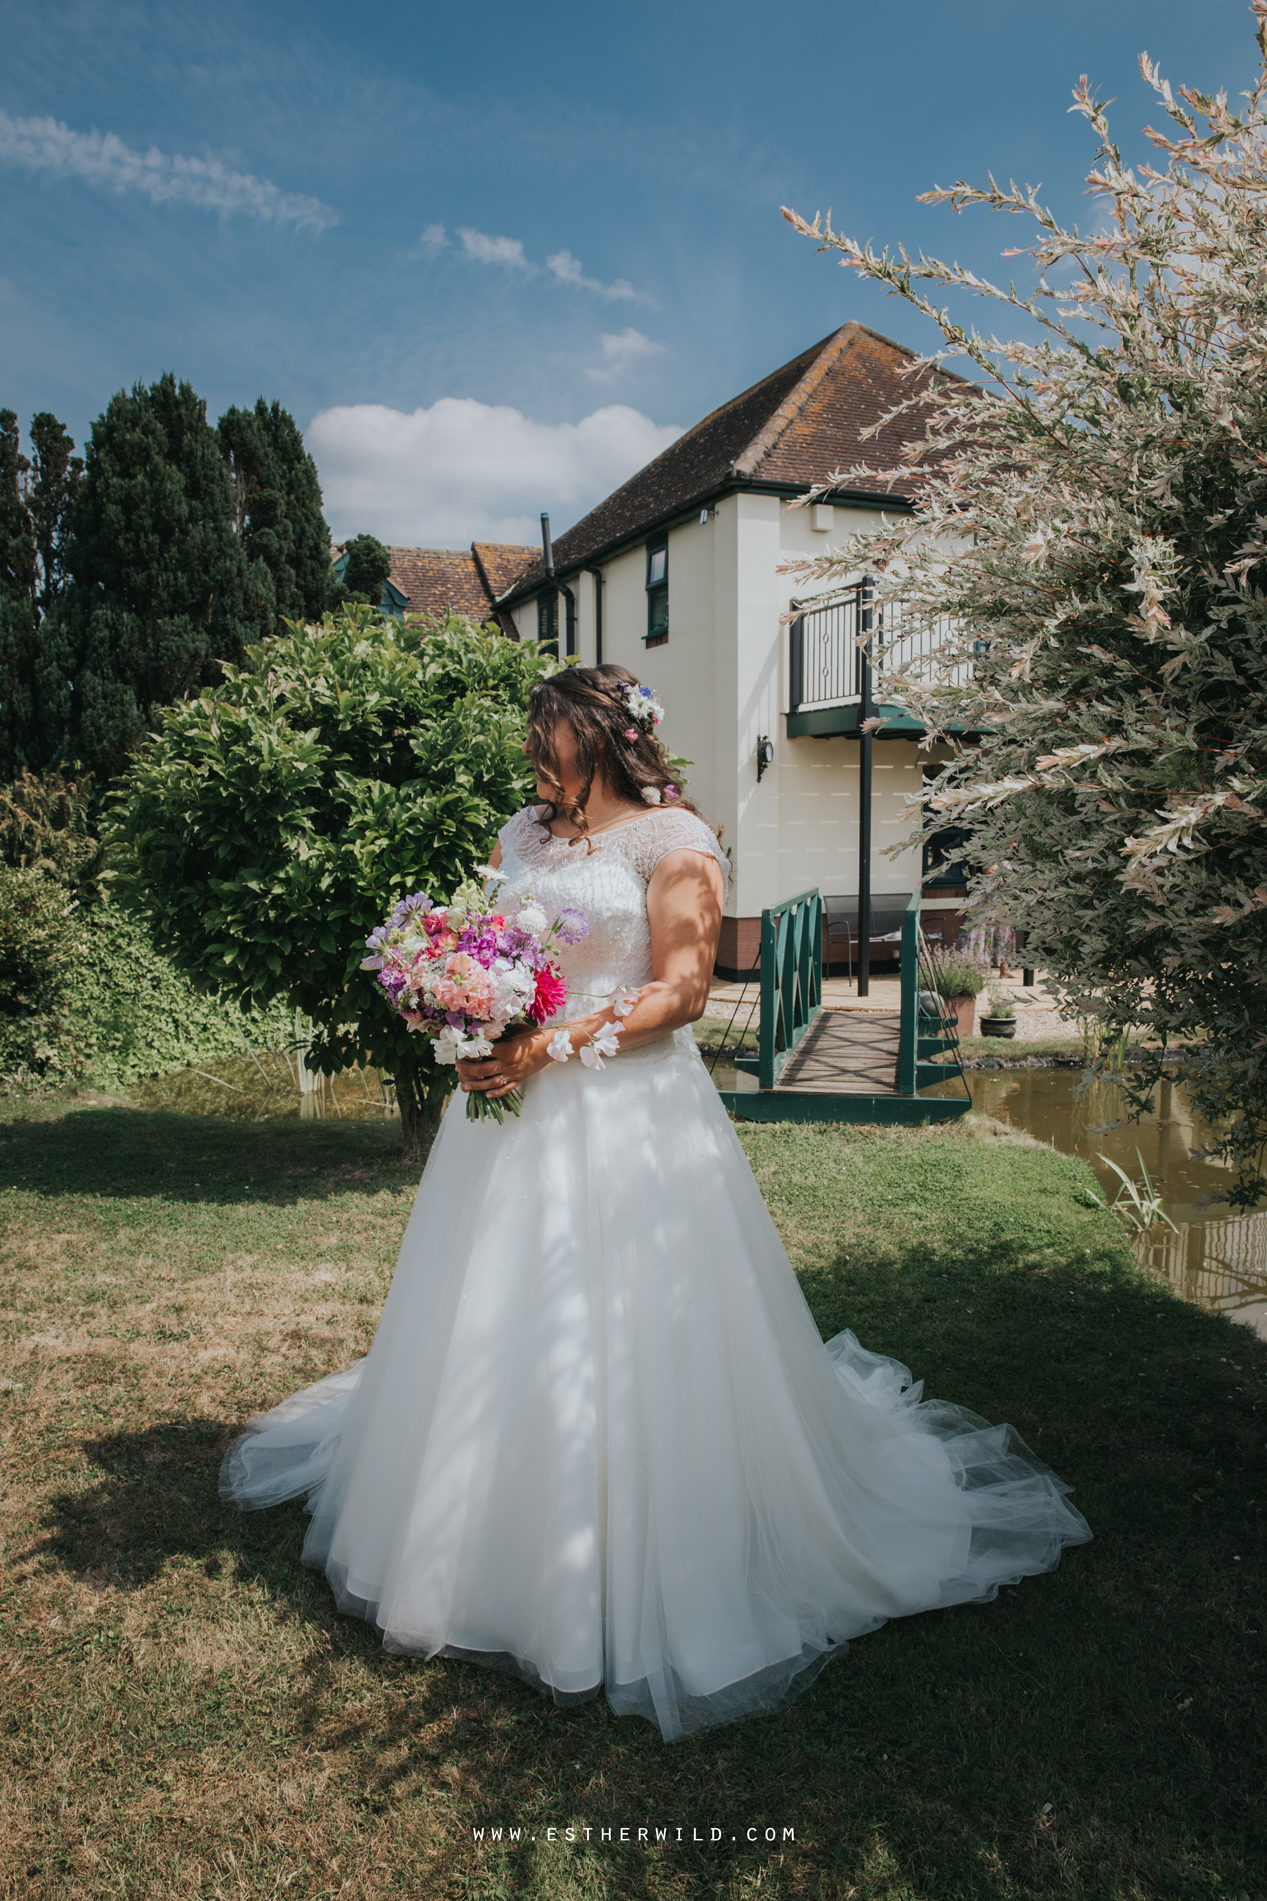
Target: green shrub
point(85, 996)
point(45, 826)
point(274, 821)
point(137, 1015)
point(956, 973)
point(39, 941)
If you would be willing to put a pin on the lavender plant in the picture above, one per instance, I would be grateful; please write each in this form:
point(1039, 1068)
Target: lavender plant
point(1084, 585)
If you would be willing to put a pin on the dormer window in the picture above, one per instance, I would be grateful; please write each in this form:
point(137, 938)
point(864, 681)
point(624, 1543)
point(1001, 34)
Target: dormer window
point(657, 593)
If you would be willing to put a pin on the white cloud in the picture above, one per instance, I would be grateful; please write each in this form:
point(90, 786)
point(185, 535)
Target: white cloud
point(568, 270)
point(464, 471)
point(508, 252)
point(102, 159)
point(621, 350)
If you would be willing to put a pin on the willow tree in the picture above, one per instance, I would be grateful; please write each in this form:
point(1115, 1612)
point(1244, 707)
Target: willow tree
point(1085, 586)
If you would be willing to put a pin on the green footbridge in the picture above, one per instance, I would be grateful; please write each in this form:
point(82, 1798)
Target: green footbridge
point(819, 1064)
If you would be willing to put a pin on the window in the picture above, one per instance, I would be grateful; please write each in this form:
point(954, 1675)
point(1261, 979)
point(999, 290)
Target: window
point(945, 850)
point(548, 621)
point(657, 593)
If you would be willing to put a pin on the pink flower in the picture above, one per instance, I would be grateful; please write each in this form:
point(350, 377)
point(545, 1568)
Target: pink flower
point(670, 792)
point(631, 732)
point(465, 985)
point(550, 993)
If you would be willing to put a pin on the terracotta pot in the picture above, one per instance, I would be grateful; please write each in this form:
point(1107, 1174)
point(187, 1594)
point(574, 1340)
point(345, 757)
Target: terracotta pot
point(998, 1026)
point(964, 1011)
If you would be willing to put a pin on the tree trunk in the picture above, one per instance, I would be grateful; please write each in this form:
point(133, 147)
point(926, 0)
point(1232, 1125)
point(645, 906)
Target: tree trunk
point(420, 1108)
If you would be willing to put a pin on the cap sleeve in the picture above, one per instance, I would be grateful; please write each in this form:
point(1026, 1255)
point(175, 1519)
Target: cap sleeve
point(676, 831)
point(513, 833)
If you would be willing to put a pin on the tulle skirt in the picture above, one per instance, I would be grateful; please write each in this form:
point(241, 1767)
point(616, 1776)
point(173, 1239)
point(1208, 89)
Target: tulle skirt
point(599, 1443)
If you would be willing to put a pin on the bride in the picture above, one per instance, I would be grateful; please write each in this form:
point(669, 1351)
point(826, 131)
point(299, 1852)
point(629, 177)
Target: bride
point(597, 1441)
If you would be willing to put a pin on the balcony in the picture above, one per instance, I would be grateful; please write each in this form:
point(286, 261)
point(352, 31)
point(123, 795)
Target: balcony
point(827, 670)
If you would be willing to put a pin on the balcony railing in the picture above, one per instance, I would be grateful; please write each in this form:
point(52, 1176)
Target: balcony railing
point(827, 661)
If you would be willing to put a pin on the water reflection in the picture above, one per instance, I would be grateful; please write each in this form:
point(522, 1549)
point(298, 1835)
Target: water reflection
point(1217, 1259)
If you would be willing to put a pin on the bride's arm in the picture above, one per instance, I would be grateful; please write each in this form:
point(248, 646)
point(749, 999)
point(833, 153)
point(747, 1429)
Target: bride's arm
point(684, 900)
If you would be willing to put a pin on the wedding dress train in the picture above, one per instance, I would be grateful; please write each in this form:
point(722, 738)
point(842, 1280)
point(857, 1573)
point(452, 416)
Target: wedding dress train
point(597, 1440)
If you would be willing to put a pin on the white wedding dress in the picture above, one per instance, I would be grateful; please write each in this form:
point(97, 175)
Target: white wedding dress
point(597, 1440)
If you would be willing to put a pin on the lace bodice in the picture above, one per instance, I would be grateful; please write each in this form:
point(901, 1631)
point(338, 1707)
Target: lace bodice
point(608, 882)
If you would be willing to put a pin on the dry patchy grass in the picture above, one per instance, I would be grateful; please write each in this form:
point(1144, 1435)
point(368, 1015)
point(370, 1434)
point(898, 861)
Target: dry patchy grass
point(184, 1713)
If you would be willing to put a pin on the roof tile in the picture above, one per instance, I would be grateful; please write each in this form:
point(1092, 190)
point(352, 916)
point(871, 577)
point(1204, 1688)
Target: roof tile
point(793, 428)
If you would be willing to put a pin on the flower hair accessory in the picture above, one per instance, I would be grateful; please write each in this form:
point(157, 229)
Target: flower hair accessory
point(643, 706)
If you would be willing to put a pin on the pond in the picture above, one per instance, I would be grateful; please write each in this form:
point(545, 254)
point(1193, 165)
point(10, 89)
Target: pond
point(1217, 1258)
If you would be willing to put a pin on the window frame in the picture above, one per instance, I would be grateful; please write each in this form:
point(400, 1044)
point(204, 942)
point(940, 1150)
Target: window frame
point(657, 591)
point(548, 621)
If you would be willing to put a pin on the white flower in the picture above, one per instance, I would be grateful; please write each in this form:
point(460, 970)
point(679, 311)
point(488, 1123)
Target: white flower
point(591, 1058)
point(490, 874)
point(606, 1041)
point(624, 1003)
point(447, 1045)
point(643, 705)
point(533, 920)
point(559, 1048)
point(474, 1047)
point(651, 793)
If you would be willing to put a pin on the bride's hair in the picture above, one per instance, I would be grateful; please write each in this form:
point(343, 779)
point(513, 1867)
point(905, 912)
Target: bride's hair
point(592, 701)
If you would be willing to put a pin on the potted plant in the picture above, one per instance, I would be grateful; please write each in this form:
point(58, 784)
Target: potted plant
point(1000, 1020)
point(958, 977)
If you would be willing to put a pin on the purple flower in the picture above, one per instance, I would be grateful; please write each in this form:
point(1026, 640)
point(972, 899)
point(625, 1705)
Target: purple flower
point(573, 926)
point(419, 902)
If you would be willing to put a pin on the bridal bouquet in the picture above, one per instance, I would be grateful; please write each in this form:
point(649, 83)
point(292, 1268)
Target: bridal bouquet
point(469, 974)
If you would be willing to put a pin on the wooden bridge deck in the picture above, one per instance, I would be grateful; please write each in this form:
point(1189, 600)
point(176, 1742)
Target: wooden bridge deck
point(845, 1053)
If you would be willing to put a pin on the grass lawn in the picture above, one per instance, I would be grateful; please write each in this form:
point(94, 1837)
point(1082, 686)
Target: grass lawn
point(1017, 1049)
point(184, 1713)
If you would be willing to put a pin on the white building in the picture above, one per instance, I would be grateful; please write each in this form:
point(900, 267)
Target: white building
point(676, 575)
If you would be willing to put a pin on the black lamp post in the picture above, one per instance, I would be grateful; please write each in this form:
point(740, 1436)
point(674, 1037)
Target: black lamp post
point(864, 792)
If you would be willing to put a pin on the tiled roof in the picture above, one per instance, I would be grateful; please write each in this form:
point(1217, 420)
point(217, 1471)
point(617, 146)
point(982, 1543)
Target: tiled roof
point(793, 428)
point(501, 563)
point(434, 579)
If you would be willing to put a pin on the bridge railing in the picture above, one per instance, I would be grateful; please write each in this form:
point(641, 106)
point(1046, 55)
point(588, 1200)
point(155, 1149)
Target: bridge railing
point(928, 1027)
point(791, 980)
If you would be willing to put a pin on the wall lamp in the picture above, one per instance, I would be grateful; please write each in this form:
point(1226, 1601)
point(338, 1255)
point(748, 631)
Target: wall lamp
point(765, 756)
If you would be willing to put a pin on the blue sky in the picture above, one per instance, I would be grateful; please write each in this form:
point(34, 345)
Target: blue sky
point(492, 257)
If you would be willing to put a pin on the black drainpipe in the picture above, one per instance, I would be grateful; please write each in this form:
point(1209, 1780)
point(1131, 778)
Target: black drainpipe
point(569, 599)
point(598, 614)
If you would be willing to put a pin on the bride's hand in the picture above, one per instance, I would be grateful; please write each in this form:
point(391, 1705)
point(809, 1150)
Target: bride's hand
point(513, 1060)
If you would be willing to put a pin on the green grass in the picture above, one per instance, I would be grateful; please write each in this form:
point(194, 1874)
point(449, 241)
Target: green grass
point(184, 1713)
point(1016, 1049)
point(736, 1035)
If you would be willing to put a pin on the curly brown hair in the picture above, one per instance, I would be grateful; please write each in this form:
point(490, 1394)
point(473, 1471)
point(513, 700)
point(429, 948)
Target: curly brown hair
point(592, 701)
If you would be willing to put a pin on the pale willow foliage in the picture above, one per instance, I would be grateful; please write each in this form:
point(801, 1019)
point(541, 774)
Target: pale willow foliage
point(1088, 564)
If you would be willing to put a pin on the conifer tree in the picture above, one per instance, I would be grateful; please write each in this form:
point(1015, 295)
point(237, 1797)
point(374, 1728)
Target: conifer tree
point(36, 494)
point(277, 513)
point(17, 553)
point(160, 594)
point(368, 567)
point(55, 474)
